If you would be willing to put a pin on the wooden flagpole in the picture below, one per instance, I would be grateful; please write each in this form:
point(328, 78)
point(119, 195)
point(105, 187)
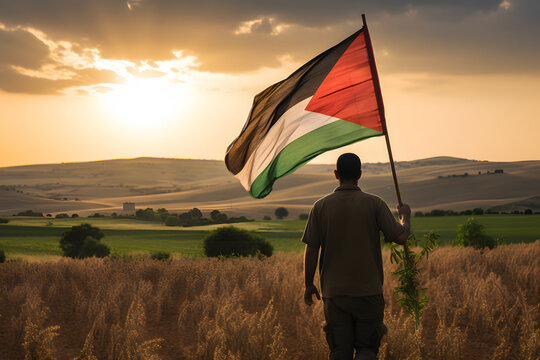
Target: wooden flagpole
point(378, 94)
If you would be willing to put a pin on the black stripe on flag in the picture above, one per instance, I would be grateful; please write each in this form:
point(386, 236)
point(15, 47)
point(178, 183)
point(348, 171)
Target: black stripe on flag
point(270, 104)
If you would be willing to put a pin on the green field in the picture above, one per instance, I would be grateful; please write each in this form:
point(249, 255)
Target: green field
point(39, 236)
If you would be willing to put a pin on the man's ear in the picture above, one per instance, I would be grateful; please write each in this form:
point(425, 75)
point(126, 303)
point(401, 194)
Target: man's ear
point(336, 174)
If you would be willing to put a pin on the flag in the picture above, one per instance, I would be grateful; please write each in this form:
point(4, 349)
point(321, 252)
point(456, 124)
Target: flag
point(332, 101)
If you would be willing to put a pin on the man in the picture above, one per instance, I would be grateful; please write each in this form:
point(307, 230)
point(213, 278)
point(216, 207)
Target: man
point(345, 226)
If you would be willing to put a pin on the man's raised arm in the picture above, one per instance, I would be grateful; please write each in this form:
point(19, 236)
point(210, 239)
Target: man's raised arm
point(404, 212)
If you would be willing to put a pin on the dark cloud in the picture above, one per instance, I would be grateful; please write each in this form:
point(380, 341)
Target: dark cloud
point(459, 36)
point(21, 48)
point(12, 81)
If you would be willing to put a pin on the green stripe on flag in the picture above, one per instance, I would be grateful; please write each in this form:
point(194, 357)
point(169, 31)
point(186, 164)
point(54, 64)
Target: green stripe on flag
point(305, 148)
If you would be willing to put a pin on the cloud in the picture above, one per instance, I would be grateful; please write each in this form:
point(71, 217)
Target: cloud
point(240, 36)
point(16, 45)
point(261, 25)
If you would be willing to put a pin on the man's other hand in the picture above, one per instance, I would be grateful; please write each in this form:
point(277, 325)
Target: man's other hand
point(308, 294)
point(404, 211)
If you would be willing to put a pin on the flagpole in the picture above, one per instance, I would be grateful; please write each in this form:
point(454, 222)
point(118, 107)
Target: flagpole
point(378, 95)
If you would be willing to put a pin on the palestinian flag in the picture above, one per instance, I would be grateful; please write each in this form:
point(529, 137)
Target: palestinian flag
point(332, 101)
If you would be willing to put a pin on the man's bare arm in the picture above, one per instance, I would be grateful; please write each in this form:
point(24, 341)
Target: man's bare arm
point(404, 212)
point(311, 258)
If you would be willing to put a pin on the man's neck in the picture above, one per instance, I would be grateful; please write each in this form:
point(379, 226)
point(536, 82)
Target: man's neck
point(348, 183)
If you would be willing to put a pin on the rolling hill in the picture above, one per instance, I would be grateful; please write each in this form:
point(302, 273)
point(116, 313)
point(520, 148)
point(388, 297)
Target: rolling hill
point(180, 184)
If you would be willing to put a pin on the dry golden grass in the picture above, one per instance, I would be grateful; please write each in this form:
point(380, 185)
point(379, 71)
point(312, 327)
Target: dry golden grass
point(482, 306)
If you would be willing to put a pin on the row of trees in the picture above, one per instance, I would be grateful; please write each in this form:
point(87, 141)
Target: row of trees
point(193, 217)
point(475, 211)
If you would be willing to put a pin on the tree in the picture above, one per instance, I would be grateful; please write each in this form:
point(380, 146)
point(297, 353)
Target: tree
point(214, 214)
point(266, 217)
point(195, 213)
point(83, 241)
point(62, 216)
point(74, 215)
point(221, 218)
point(528, 212)
point(473, 233)
point(146, 214)
point(303, 216)
point(218, 217)
point(162, 213)
point(232, 241)
point(478, 211)
point(281, 213)
point(172, 220)
point(437, 212)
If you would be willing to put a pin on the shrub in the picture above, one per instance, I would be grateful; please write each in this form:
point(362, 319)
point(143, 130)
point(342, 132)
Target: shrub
point(92, 247)
point(3, 221)
point(303, 216)
point(418, 213)
point(77, 242)
point(281, 213)
point(96, 215)
point(30, 213)
point(160, 255)
point(2, 256)
point(62, 216)
point(473, 233)
point(528, 212)
point(266, 217)
point(238, 219)
point(74, 215)
point(232, 241)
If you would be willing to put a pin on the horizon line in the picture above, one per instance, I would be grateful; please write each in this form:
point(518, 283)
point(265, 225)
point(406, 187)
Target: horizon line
point(200, 159)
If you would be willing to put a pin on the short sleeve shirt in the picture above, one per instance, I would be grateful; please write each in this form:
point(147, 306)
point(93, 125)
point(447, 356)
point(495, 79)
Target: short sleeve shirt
point(345, 226)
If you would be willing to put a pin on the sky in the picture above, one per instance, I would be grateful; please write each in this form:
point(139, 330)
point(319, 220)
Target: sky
point(104, 79)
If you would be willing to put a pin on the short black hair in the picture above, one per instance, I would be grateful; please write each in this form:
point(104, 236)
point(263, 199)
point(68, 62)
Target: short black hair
point(349, 167)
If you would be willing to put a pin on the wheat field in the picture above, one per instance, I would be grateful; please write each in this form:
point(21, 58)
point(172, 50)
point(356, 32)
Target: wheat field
point(483, 305)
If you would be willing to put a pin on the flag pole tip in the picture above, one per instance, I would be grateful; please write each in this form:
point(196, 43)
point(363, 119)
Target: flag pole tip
point(364, 20)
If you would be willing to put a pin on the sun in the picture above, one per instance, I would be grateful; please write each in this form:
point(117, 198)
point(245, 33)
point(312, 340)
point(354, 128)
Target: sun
point(146, 103)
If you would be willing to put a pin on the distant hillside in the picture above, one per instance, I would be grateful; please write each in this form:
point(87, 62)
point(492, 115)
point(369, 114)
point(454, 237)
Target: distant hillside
point(532, 203)
point(178, 184)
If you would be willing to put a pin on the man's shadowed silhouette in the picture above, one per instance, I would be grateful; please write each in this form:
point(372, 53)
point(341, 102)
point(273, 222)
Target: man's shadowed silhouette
point(344, 228)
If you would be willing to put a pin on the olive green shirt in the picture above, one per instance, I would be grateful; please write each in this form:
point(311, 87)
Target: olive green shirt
point(345, 226)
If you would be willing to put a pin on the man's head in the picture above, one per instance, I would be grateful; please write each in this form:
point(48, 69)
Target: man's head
point(348, 168)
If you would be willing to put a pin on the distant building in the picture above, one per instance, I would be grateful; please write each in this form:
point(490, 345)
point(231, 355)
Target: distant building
point(499, 171)
point(128, 207)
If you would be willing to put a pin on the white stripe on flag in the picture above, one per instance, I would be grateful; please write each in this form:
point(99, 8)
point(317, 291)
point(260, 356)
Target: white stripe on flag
point(293, 124)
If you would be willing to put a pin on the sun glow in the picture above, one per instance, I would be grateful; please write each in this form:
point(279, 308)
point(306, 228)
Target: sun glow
point(146, 103)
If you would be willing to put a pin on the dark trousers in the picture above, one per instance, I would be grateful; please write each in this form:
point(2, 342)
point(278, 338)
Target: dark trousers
point(354, 323)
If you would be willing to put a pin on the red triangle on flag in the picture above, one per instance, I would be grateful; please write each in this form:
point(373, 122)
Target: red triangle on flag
point(348, 92)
